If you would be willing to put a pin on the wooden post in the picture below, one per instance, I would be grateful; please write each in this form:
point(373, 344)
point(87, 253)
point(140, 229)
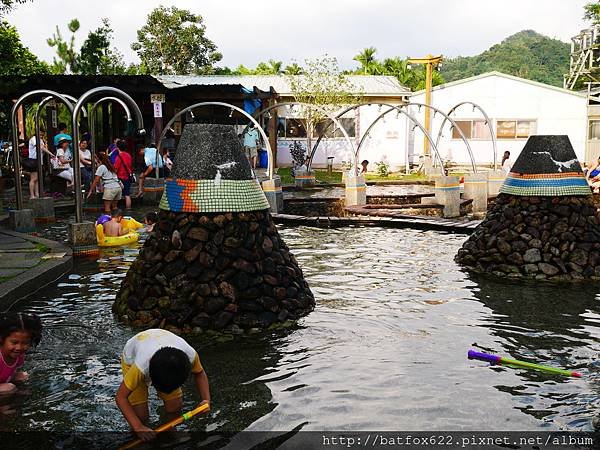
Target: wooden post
point(273, 135)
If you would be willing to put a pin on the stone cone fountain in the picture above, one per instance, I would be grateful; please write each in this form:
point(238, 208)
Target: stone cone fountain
point(544, 224)
point(215, 260)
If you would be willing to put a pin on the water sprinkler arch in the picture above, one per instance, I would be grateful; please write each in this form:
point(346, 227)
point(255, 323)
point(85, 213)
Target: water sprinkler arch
point(413, 120)
point(39, 155)
point(455, 125)
point(93, 123)
point(225, 105)
point(74, 116)
point(15, 129)
point(331, 117)
point(397, 108)
point(487, 120)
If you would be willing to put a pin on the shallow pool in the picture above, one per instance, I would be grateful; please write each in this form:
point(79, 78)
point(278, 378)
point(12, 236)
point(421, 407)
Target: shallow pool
point(385, 348)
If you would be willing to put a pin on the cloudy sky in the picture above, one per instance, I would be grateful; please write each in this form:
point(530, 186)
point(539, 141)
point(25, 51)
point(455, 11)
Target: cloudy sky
point(248, 32)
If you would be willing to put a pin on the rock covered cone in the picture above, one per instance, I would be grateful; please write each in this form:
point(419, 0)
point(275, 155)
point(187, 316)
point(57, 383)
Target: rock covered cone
point(545, 238)
point(228, 272)
point(215, 259)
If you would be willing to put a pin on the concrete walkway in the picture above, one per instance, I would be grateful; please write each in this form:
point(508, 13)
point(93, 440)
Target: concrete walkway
point(28, 264)
point(400, 221)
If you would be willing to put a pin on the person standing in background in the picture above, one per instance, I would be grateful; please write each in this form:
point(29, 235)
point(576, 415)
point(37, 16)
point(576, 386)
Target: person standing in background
point(123, 166)
point(251, 144)
point(506, 163)
point(85, 163)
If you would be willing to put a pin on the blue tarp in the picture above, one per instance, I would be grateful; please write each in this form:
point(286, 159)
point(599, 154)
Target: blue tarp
point(250, 105)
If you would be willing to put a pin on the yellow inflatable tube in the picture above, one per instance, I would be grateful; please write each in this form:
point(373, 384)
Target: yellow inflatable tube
point(128, 223)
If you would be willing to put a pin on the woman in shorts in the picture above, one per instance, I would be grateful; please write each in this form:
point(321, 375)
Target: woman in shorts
point(111, 186)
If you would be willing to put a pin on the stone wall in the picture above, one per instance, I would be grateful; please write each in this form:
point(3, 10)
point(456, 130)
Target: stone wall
point(545, 238)
point(229, 272)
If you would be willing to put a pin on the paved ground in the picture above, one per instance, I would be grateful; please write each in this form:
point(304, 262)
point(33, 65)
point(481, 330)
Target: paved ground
point(27, 264)
point(17, 255)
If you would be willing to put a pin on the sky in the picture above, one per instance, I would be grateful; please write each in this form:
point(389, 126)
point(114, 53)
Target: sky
point(247, 32)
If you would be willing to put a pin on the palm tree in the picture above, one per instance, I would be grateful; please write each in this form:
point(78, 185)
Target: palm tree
point(293, 69)
point(275, 67)
point(367, 59)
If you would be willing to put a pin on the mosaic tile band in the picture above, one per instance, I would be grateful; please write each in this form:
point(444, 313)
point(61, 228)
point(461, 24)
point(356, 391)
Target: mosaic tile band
point(555, 185)
point(207, 196)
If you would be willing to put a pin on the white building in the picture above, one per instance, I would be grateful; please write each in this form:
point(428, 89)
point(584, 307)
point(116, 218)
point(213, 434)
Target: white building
point(517, 108)
point(387, 141)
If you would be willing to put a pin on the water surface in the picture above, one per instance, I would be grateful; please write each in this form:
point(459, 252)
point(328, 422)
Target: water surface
point(385, 348)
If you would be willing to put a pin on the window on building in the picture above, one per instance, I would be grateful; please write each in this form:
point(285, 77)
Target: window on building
point(472, 129)
point(296, 128)
point(594, 130)
point(480, 130)
point(465, 126)
point(515, 129)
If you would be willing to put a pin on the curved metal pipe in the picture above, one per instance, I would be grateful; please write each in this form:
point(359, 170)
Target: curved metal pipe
point(455, 125)
point(415, 121)
point(322, 110)
point(15, 125)
point(487, 120)
point(226, 105)
point(38, 141)
point(76, 110)
point(93, 124)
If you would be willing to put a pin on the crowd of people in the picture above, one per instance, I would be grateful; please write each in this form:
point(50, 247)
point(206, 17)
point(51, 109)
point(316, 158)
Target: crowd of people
point(110, 171)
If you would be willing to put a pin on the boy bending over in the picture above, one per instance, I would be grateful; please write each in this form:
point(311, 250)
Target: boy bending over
point(165, 360)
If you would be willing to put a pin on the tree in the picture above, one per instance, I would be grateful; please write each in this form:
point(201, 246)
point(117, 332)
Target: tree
point(97, 57)
point(17, 61)
point(7, 5)
point(173, 42)
point(366, 58)
point(293, 69)
point(592, 12)
point(325, 87)
point(65, 51)
point(16, 58)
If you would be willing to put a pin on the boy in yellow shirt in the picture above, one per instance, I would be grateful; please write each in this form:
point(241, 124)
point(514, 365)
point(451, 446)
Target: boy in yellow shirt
point(165, 360)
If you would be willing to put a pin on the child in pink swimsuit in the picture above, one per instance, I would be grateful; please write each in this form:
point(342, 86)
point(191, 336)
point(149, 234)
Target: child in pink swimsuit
point(18, 332)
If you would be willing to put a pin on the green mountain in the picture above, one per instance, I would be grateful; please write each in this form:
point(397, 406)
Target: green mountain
point(526, 54)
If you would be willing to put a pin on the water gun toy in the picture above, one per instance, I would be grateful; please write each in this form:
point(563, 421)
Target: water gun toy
point(495, 359)
point(173, 423)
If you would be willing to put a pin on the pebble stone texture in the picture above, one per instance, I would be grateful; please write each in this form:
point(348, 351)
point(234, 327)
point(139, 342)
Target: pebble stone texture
point(543, 237)
point(228, 271)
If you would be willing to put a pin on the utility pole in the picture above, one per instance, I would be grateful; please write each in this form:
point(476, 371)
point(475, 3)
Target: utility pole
point(430, 62)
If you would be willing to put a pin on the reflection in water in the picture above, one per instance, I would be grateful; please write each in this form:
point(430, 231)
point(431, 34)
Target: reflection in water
point(552, 325)
point(385, 349)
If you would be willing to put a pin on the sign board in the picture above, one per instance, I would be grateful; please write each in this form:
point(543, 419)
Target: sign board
point(54, 119)
point(157, 98)
point(177, 128)
point(157, 109)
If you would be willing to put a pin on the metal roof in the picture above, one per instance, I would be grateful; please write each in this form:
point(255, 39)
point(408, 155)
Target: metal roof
point(367, 85)
point(495, 73)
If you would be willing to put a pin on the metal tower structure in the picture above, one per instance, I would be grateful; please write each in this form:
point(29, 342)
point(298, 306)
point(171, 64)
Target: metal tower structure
point(584, 63)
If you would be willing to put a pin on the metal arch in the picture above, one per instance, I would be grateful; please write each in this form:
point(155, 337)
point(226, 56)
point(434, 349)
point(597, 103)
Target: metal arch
point(331, 117)
point(38, 141)
point(340, 115)
point(413, 120)
point(93, 123)
point(488, 121)
point(76, 110)
point(462, 135)
point(16, 162)
point(226, 105)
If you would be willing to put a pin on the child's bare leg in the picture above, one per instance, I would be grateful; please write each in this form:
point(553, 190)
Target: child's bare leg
point(7, 388)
